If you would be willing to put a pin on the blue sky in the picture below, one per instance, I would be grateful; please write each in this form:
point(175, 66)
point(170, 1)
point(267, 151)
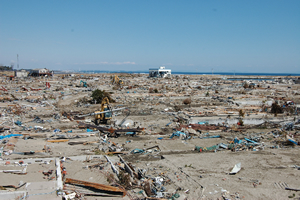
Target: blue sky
point(183, 35)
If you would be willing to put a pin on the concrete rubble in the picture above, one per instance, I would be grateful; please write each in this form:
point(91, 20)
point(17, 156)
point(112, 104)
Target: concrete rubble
point(178, 138)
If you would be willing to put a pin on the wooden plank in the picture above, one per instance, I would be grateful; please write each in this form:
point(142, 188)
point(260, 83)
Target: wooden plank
point(63, 140)
point(86, 192)
point(293, 189)
point(107, 188)
point(122, 152)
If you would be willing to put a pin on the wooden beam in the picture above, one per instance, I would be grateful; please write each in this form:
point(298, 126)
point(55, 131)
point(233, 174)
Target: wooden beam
point(107, 188)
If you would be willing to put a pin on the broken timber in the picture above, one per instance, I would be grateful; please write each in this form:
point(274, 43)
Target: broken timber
point(107, 188)
point(59, 140)
point(112, 166)
point(127, 167)
point(293, 189)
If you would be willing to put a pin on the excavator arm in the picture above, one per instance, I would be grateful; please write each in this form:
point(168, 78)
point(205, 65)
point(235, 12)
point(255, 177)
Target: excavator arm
point(103, 116)
point(117, 80)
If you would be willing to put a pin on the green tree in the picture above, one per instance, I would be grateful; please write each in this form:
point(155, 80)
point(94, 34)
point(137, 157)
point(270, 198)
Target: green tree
point(98, 96)
point(2, 67)
point(275, 108)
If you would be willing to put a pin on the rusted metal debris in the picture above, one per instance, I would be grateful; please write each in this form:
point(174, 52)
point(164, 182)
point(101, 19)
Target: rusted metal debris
point(81, 142)
point(13, 186)
point(147, 188)
point(33, 89)
point(107, 188)
point(72, 116)
point(200, 127)
point(3, 89)
point(67, 115)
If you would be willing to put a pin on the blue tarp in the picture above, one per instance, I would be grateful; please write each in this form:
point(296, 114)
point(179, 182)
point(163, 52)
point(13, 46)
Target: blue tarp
point(89, 130)
point(292, 141)
point(223, 146)
point(137, 151)
point(237, 141)
point(11, 135)
point(19, 123)
point(212, 136)
point(202, 123)
point(178, 133)
point(131, 133)
point(248, 140)
point(169, 123)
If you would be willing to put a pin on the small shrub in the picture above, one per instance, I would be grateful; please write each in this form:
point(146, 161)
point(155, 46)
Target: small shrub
point(177, 108)
point(241, 113)
point(98, 96)
point(187, 101)
point(275, 108)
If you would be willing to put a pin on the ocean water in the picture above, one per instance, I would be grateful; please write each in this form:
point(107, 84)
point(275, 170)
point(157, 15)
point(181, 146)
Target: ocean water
point(252, 121)
point(195, 73)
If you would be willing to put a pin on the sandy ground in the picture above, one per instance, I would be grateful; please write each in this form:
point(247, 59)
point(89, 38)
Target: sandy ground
point(192, 174)
point(195, 175)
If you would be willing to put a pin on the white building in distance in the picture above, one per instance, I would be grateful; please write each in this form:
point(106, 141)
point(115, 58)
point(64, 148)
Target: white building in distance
point(41, 72)
point(21, 73)
point(160, 72)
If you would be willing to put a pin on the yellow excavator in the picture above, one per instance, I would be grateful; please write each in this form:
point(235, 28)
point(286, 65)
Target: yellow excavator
point(116, 80)
point(104, 115)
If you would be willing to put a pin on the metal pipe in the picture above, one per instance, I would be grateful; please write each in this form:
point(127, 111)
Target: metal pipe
point(96, 113)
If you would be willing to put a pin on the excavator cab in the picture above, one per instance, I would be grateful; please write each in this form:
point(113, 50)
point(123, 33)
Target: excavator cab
point(107, 115)
point(116, 80)
point(83, 83)
point(103, 118)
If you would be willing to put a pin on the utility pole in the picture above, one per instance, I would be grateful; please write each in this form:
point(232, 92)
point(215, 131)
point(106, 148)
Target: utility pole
point(18, 60)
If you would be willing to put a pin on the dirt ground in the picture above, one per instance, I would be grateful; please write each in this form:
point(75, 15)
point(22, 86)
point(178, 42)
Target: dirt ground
point(269, 167)
point(193, 174)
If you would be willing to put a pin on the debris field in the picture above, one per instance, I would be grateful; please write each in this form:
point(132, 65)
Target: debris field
point(185, 137)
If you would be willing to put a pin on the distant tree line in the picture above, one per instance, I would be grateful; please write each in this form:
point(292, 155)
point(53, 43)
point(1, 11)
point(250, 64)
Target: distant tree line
point(5, 68)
